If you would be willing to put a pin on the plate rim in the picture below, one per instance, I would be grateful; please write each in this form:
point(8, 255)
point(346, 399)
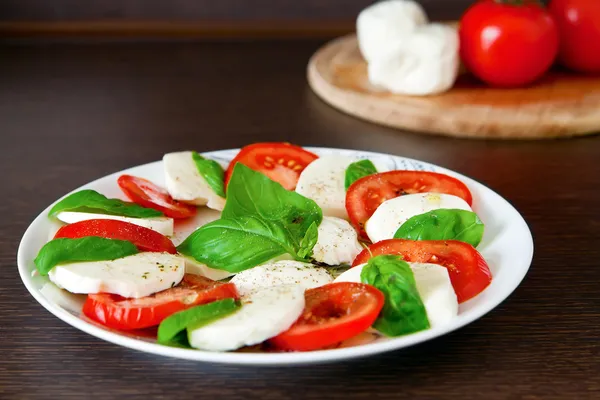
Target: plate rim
point(275, 359)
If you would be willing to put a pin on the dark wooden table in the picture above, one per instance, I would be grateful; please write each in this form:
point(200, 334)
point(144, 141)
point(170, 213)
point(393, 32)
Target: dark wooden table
point(73, 113)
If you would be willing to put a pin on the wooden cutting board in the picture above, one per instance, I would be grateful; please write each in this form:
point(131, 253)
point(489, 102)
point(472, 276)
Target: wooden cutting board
point(560, 105)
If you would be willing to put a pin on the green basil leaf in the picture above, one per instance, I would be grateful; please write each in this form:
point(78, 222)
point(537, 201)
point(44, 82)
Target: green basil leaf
point(170, 328)
point(89, 248)
point(403, 311)
point(308, 241)
point(358, 170)
point(212, 172)
point(251, 193)
point(92, 201)
point(237, 244)
point(443, 224)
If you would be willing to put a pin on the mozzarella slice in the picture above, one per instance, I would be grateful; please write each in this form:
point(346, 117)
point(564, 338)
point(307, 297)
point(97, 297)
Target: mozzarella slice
point(384, 23)
point(194, 267)
point(433, 285)
point(296, 273)
point(391, 214)
point(337, 242)
point(437, 293)
point(424, 63)
point(184, 182)
point(265, 313)
point(134, 276)
point(162, 225)
point(323, 181)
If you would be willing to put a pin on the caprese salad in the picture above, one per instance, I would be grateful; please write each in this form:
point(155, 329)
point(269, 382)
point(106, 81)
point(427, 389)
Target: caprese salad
point(308, 253)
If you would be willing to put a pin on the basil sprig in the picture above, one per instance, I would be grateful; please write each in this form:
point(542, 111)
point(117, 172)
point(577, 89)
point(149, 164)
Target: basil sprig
point(251, 193)
point(443, 224)
point(358, 170)
point(403, 311)
point(261, 220)
point(212, 172)
point(237, 244)
point(92, 201)
point(171, 327)
point(89, 248)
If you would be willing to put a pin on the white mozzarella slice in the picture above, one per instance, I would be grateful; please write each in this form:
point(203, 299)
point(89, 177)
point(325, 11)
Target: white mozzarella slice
point(134, 276)
point(437, 293)
point(433, 285)
point(391, 214)
point(162, 225)
point(278, 273)
point(184, 182)
point(386, 23)
point(337, 242)
point(425, 63)
point(185, 227)
point(323, 181)
point(194, 267)
point(351, 275)
point(264, 313)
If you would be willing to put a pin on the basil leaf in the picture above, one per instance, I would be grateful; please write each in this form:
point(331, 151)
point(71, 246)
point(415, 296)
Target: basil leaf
point(308, 241)
point(358, 170)
point(443, 224)
point(403, 311)
point(92, 201)
point(89, 248)
point(170, 328)
point(237, 244)
point(212, 172)
point(250, 193)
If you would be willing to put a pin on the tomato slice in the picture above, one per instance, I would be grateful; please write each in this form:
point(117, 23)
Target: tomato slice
point(281, 162)
point(145, 239)
point(468, 271)
point(129, 314)
point(145, 193)
point(366, 194)
point(333, 313)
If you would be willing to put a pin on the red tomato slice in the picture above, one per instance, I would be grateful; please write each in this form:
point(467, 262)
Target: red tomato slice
point(129, 314)
point(366, 194)
point(145, 239)
point(281, 162)
point(333, 313)
point(469, 273)
point(145, 193)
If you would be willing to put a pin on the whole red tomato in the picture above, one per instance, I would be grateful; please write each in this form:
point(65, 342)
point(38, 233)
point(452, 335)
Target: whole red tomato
point(578, 22)
point(509, 42)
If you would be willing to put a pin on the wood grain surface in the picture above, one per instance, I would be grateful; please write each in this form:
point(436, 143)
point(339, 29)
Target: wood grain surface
point(72, 113)
point(221, 10)
point(560, 104)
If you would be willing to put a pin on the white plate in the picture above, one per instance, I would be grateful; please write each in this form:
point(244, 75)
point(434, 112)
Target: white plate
point(507, 246)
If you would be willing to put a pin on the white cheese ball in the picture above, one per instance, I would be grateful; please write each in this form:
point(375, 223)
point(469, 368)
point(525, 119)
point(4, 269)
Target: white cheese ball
point(385, 23)
point(425, 63)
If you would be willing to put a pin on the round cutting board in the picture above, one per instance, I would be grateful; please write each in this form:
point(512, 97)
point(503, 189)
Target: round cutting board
point(560, 105)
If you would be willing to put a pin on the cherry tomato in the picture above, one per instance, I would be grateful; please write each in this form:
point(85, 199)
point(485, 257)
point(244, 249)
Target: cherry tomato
point(366, 194)
point(468, 271)
point(145, 239)
point(578, 23)
point(145, 193)
point(333, 313)
point(281, 162)
point(129, 314)
point(508, 43)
